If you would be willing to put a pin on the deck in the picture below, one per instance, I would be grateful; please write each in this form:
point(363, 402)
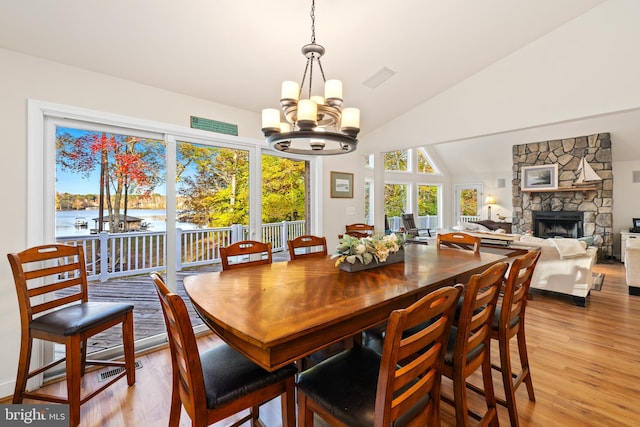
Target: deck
point(140, 291)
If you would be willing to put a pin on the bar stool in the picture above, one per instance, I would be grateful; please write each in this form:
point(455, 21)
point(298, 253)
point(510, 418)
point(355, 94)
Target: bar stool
point(470, 343)
point(509, 322)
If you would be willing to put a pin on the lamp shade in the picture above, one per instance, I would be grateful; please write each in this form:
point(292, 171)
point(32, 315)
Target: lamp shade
point(490, 200)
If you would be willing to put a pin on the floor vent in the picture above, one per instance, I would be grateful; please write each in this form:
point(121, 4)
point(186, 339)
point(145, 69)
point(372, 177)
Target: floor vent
point(115, 371)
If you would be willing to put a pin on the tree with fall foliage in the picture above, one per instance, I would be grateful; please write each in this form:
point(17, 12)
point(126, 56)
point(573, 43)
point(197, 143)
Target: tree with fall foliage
point(126, 165)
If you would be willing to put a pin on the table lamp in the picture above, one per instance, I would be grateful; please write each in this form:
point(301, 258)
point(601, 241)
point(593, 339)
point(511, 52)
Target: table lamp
point(489, 201)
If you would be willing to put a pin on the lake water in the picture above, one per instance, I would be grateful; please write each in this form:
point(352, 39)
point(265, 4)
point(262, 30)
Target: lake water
point(156, 218)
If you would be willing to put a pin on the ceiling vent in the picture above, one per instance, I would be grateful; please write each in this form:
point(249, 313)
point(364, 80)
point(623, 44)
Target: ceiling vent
point(378, 78)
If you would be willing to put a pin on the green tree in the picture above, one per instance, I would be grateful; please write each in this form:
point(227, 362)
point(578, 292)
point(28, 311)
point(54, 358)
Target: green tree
point(283, 189)
point(395, 199)
point(217, 194)
point(396, 160)
point(469, 202)
point(427, 200)
point(424, 166)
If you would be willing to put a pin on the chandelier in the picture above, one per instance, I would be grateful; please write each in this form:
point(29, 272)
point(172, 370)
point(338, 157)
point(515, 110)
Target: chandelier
point(316, 124)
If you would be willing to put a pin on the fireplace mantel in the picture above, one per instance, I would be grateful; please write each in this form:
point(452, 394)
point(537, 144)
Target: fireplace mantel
point(561, 189)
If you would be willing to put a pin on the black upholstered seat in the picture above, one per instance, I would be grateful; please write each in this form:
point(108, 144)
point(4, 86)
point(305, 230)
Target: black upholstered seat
point(228, 375)
point(79, 318)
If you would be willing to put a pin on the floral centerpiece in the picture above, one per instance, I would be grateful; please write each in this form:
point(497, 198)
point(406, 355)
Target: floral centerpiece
point(369, 251)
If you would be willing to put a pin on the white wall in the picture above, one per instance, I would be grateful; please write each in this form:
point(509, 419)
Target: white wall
point(587, 67)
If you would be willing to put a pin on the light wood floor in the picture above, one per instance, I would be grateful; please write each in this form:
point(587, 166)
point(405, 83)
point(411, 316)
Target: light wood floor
point(585, 365)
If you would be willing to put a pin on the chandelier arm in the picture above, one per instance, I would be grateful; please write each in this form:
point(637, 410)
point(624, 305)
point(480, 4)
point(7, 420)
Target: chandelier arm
point(311, 75)
point(304, 77)
point(324, 79)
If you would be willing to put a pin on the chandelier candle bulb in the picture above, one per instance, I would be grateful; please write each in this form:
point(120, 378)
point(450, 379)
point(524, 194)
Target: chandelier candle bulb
point(271, 120)
point(350, 120)
point(307, 114)
point(290, 91)
point(333, 91)
point(318, 99)
point(285, 127)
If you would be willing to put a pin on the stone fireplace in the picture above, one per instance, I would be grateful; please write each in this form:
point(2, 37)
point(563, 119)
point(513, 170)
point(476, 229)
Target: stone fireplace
point(548, 224)
point(594, 204)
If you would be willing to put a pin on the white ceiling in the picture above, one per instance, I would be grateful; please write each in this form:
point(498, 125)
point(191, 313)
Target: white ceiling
point(237, 52)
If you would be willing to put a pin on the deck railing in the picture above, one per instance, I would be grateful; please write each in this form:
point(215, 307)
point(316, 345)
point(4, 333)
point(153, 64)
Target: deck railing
point(110, 255)
point(422, 222)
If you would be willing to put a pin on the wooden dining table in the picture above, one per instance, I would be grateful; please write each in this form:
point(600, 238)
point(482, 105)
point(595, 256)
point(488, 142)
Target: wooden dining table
point(278, 313)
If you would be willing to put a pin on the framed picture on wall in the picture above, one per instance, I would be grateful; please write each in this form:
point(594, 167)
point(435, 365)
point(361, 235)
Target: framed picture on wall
point(341, 185)
point(543, 177)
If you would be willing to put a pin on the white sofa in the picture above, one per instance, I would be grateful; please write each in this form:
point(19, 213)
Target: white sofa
point(632, 265)
point(565, 266)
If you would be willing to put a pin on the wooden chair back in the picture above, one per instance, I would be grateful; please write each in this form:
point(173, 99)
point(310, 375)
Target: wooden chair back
point(249, 249)
point(63, 272)
point(309, 245)
point(359, 230)
point(413, 353)
point(510, 322)
point(471, 348)
point(185, 356)
point(459, 241)
point(515, 292)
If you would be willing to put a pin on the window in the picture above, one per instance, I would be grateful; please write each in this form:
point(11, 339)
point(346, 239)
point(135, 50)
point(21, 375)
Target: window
point(395, 199)
point(368, 202)
point(397, 161)
point(150, 172)
point(425, 165)
point(368, 161)
point(428, 206)
point(468, 202)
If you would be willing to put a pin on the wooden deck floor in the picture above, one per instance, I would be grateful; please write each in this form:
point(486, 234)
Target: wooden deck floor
point(140, 291)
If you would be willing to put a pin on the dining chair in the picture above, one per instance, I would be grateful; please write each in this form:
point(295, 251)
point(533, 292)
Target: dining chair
point(508, 323)
point(51, 282)
point(459, 241)
point(411, 228)
point(246, 253)
point(219, 382)
point(359, 230)
point(309, 246)
point(469, 345)
point(360, 387)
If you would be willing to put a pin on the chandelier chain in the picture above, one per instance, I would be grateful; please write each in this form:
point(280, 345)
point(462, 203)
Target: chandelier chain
point(313, 21)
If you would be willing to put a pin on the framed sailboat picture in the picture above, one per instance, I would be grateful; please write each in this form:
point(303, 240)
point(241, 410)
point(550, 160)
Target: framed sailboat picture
point(543, 177)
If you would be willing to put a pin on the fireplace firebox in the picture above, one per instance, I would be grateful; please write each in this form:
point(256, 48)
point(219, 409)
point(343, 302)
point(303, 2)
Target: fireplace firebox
point(548, 224)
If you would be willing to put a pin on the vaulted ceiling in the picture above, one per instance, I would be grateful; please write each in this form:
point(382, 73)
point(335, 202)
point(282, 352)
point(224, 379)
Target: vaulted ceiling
point(237, 52)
